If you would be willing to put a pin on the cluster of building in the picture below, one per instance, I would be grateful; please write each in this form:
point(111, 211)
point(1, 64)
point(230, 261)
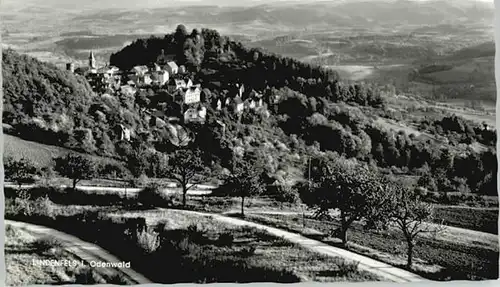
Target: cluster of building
point(162, 73)
point(239, 100)
point(167, 75)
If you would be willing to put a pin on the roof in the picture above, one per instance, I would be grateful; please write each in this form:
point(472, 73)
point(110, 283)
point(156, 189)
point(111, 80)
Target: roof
point(158, 113)
point(140, 69)
point(238, 100)
point(172, 65)
point(194, 88)
point(255, 94)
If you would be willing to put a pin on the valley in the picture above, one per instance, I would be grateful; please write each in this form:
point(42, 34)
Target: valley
point(382, 53)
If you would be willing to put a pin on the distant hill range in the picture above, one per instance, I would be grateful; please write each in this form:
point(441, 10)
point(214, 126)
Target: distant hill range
point(288, 13)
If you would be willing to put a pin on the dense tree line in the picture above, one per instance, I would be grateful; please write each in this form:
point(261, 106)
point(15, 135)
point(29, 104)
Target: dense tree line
point(348, 131)
point(186, 48)
point(460, 130)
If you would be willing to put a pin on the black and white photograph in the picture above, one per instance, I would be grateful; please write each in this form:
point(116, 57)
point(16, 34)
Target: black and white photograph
point(249, 141)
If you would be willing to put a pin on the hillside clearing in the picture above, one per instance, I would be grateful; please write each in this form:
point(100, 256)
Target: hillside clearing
point(40, 155)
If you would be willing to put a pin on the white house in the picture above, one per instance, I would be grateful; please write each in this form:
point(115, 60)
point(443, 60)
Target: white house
point(195, 115)
point(172, 68)
point(160, 77)
point(250, 104)
point(155, 68)
point(139, 70)
point(202, 112)
point(222, 126)
point(146, 79)
point(127, 90)
point(192, 95)
point(108, 71)
point(238, 105)
point(180, 84)
point(123, 133)
point(140, 80)
point(241, 90)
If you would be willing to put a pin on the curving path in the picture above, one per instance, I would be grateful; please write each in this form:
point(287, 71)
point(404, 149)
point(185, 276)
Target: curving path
point(83, 250)
point(170, 189)
point(383, 270)
point(449, 233)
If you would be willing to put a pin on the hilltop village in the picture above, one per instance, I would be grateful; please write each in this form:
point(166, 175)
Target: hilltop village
point(173, 79)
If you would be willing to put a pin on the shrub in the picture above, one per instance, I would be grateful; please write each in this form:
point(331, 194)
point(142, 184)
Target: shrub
point(346, 268)
point(148, 241)
point(43, 207)
point(281, 242)
point(225, 239)
point(247, 251)
point(186, 247)
point(11, 231)
point(45, 244)
point(196, 232)
point(85, 275)
point(141, 181)
point(151, 196)
point(284, 194)
point(117, 279)
point(112, 170)
point(22, 204)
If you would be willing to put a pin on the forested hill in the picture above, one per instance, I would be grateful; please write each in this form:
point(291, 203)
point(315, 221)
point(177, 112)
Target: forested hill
point(34, 89)
point(211, 58)
point(46, 104)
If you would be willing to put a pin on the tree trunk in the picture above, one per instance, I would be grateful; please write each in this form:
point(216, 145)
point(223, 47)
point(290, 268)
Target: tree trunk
point(74, 184)
point(184, 194)
point(242, 206)
point(343, 236)
point(409, 253)
point(343, 229)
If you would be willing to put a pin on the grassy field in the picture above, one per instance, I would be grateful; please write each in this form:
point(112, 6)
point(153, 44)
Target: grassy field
point(434, 259)
point(22, 248)
point(215, 252)
point(452, 255)
point(268, 251)
point(485, 220)
point(40, 155)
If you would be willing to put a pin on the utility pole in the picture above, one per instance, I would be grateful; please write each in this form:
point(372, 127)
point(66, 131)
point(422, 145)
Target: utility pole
point(309, 184)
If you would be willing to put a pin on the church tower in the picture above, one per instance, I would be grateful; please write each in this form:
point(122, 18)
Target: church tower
point(92, 61)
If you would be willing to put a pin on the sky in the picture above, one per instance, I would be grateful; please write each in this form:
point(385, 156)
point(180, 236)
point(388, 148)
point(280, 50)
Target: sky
point(131, 4)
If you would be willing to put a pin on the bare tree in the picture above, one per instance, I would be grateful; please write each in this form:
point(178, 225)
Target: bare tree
point(75, 167)
point(245, 178)
point(355, 190)
point(183, 166)
point(412, 217)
